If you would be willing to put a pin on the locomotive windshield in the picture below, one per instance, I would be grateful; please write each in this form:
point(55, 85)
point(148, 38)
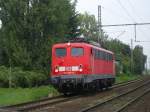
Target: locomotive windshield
point(77, 51)
point(61, 52)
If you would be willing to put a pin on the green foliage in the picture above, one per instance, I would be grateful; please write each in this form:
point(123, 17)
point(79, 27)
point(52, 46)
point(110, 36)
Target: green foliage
point(9, 96)
point(126, 77)
point(139, 59)
point(88, 26)
point(30, 27)
point(21, 78)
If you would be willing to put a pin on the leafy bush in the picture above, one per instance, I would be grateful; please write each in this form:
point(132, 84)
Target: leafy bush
point(21, 78)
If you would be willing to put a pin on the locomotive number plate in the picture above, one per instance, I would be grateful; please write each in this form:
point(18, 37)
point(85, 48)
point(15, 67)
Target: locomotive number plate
point(68, 68)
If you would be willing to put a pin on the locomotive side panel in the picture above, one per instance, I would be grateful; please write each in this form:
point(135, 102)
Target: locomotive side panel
point(102, 62)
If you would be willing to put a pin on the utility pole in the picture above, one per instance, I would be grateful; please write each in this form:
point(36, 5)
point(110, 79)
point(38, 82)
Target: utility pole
point(146, 66)
point(135, 32)
point(149, 65)
point(131, 56)
point(99, 23)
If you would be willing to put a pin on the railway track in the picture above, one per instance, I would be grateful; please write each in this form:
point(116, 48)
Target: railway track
point(133, 101)
point(39, 104)
point(122, 100)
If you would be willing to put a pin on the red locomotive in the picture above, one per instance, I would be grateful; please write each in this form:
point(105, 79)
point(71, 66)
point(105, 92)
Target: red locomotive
point(78, 65)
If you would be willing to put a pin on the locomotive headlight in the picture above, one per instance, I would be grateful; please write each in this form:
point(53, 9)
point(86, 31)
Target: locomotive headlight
point(56, 69)
point(80, 68)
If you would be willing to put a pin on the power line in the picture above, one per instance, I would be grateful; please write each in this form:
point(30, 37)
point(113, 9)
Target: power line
point(135, 29)
point(134, 10)
point(128, 17)
point(125, 10)
point(129, 13)
point(142, 41)
point(129, 2)
point(125, 24)
point(136, 14)
point(115, 31)
point(112, 12)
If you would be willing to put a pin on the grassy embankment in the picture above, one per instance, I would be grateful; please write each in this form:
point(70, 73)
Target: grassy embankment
point(9, 96)
point(19, 95)
point(126, 77)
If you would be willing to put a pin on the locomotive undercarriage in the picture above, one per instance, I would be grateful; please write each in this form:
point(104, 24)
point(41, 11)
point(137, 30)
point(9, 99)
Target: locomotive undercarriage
point(78, 85)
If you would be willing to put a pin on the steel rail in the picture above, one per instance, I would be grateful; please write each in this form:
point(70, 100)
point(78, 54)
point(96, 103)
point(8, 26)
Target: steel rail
point(40, 105)
point(32, 102)
point(132, 101)
point(125, 83)
point(4, 110)
point(112, 98)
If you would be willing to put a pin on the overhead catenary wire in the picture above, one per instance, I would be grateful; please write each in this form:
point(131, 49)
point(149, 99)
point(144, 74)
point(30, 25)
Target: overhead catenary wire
point(125, 24)
point(119, 2)
point(132, 18)
point(121, 15)
point(112, 12)
point(136, 15)
point(134, 10)
point(135, 24)
point(128, 12)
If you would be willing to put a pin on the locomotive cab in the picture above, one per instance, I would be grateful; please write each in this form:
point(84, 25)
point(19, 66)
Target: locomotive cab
point(70, 62)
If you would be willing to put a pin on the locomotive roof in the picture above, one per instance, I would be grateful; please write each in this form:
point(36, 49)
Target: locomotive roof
point(81, 44)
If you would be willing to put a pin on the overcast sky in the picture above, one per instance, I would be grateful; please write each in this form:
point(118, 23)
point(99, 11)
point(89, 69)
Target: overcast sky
point(122, 11)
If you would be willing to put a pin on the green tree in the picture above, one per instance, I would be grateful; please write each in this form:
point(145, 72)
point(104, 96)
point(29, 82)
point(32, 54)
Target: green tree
point(88, 26)
point(74, 23)
point(30, 27)
point(139, 59)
